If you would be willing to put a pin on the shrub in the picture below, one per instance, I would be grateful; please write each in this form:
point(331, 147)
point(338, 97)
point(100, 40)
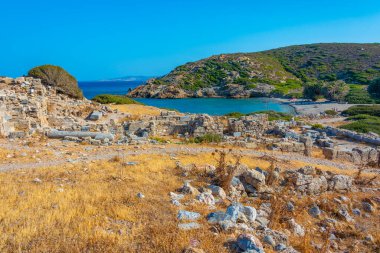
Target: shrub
point(272, 115)
point(364, 125)
point(336, 90)
point(373, 110)
point(317, 126)
point(358, 94)
point(331, 112)
point(374, 88)
point(58, 78)
point(313, 90)
point(224, 171)
point(208, 138)
point(235, 115)
point(114, 99)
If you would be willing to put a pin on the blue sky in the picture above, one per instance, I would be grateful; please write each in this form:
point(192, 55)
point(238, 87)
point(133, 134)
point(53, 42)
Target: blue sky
point(96, 39)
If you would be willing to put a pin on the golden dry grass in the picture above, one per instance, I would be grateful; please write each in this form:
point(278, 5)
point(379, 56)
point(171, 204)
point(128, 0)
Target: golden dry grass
point(137, 110)
point(93, 207)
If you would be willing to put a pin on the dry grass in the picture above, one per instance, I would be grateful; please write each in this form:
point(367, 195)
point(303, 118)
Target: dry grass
point(137, 110)
point(90, 208)
point(93, 207)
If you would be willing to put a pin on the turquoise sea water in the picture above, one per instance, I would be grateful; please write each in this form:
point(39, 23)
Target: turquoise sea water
point(212, 106)
point(218, 106)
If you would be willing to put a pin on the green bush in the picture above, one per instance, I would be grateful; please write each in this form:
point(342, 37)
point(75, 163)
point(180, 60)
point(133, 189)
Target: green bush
point(313, 90)
point(114, 99)
point(336, 90)
point(317, 126)
point(358, 94)
point(374, 88)
point(369, 124)
point(272, 115)
point(58, 78)
point(235, 115)
point(208, 138)
point(331, 112)
point(373, 110)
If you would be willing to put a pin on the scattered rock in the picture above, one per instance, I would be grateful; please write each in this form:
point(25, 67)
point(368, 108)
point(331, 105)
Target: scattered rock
point(315, 211)
point(340, 183)
point(189, 226)
point(218, 191)
point(269, 240)
point(368, 207)
point(250, 243)
point(188, 189)
point(280, 247)
point(206, 198)
point(186, 215)
point(297, 229)
point(37, 180)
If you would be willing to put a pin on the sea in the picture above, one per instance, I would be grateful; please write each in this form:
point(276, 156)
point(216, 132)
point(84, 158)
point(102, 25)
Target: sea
point(211, 106)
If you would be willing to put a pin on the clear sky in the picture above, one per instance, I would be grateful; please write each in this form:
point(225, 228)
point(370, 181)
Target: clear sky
point(96, 39)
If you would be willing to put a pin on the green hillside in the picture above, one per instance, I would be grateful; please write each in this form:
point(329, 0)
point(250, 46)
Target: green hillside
point(282, 71)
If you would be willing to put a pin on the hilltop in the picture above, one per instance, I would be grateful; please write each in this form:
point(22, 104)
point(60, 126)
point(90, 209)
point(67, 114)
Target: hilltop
point(279, 72)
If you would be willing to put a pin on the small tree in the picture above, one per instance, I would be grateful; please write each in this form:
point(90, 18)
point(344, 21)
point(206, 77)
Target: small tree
point(374, 88)
point(313, 90)
point(336, 90)
point(58, 78)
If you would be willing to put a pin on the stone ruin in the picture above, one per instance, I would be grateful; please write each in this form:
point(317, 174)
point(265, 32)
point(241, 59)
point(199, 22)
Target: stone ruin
point(196, 125)
point(28, 106)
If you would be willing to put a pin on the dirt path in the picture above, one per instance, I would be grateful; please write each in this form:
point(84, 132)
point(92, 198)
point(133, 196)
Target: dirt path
point(101, 155)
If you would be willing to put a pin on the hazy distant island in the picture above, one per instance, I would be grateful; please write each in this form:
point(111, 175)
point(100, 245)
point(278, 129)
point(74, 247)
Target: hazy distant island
point(335, 71)
point(126, 79)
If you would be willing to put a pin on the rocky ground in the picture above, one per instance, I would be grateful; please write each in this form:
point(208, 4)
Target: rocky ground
point(177, 197)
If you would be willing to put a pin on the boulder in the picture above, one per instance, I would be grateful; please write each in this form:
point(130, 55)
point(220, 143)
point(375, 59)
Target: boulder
point(218, 191)
point(254, 178)
point(188, 189)
point(248, 242)
point(206, 198)
point(340, 183)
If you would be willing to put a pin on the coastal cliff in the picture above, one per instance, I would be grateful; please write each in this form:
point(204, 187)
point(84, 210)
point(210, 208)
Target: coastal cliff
point(279, 72)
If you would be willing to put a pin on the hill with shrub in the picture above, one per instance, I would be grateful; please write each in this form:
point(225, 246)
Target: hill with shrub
point(278, 72)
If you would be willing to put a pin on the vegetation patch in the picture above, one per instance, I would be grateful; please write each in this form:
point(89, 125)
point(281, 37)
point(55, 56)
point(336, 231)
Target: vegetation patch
point(366, 118)
point(114, 99)
point(272, 115)
point(59, 78)
point(207, 138)
point(358, 94)
point(364, 124)
point(373, 110)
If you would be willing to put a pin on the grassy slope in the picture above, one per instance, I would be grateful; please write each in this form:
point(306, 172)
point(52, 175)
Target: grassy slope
point(285, 68)
point(365, 119)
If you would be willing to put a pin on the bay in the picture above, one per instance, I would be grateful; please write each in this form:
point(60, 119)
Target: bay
point(212, 106)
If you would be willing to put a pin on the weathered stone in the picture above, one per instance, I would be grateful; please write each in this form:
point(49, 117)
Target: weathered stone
point(206, 198)
point(186, 215)
point(218, 191)
point(188, 189)
point(248, 242)
point(189, 226)
point(340, 183)
point(315, 211)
